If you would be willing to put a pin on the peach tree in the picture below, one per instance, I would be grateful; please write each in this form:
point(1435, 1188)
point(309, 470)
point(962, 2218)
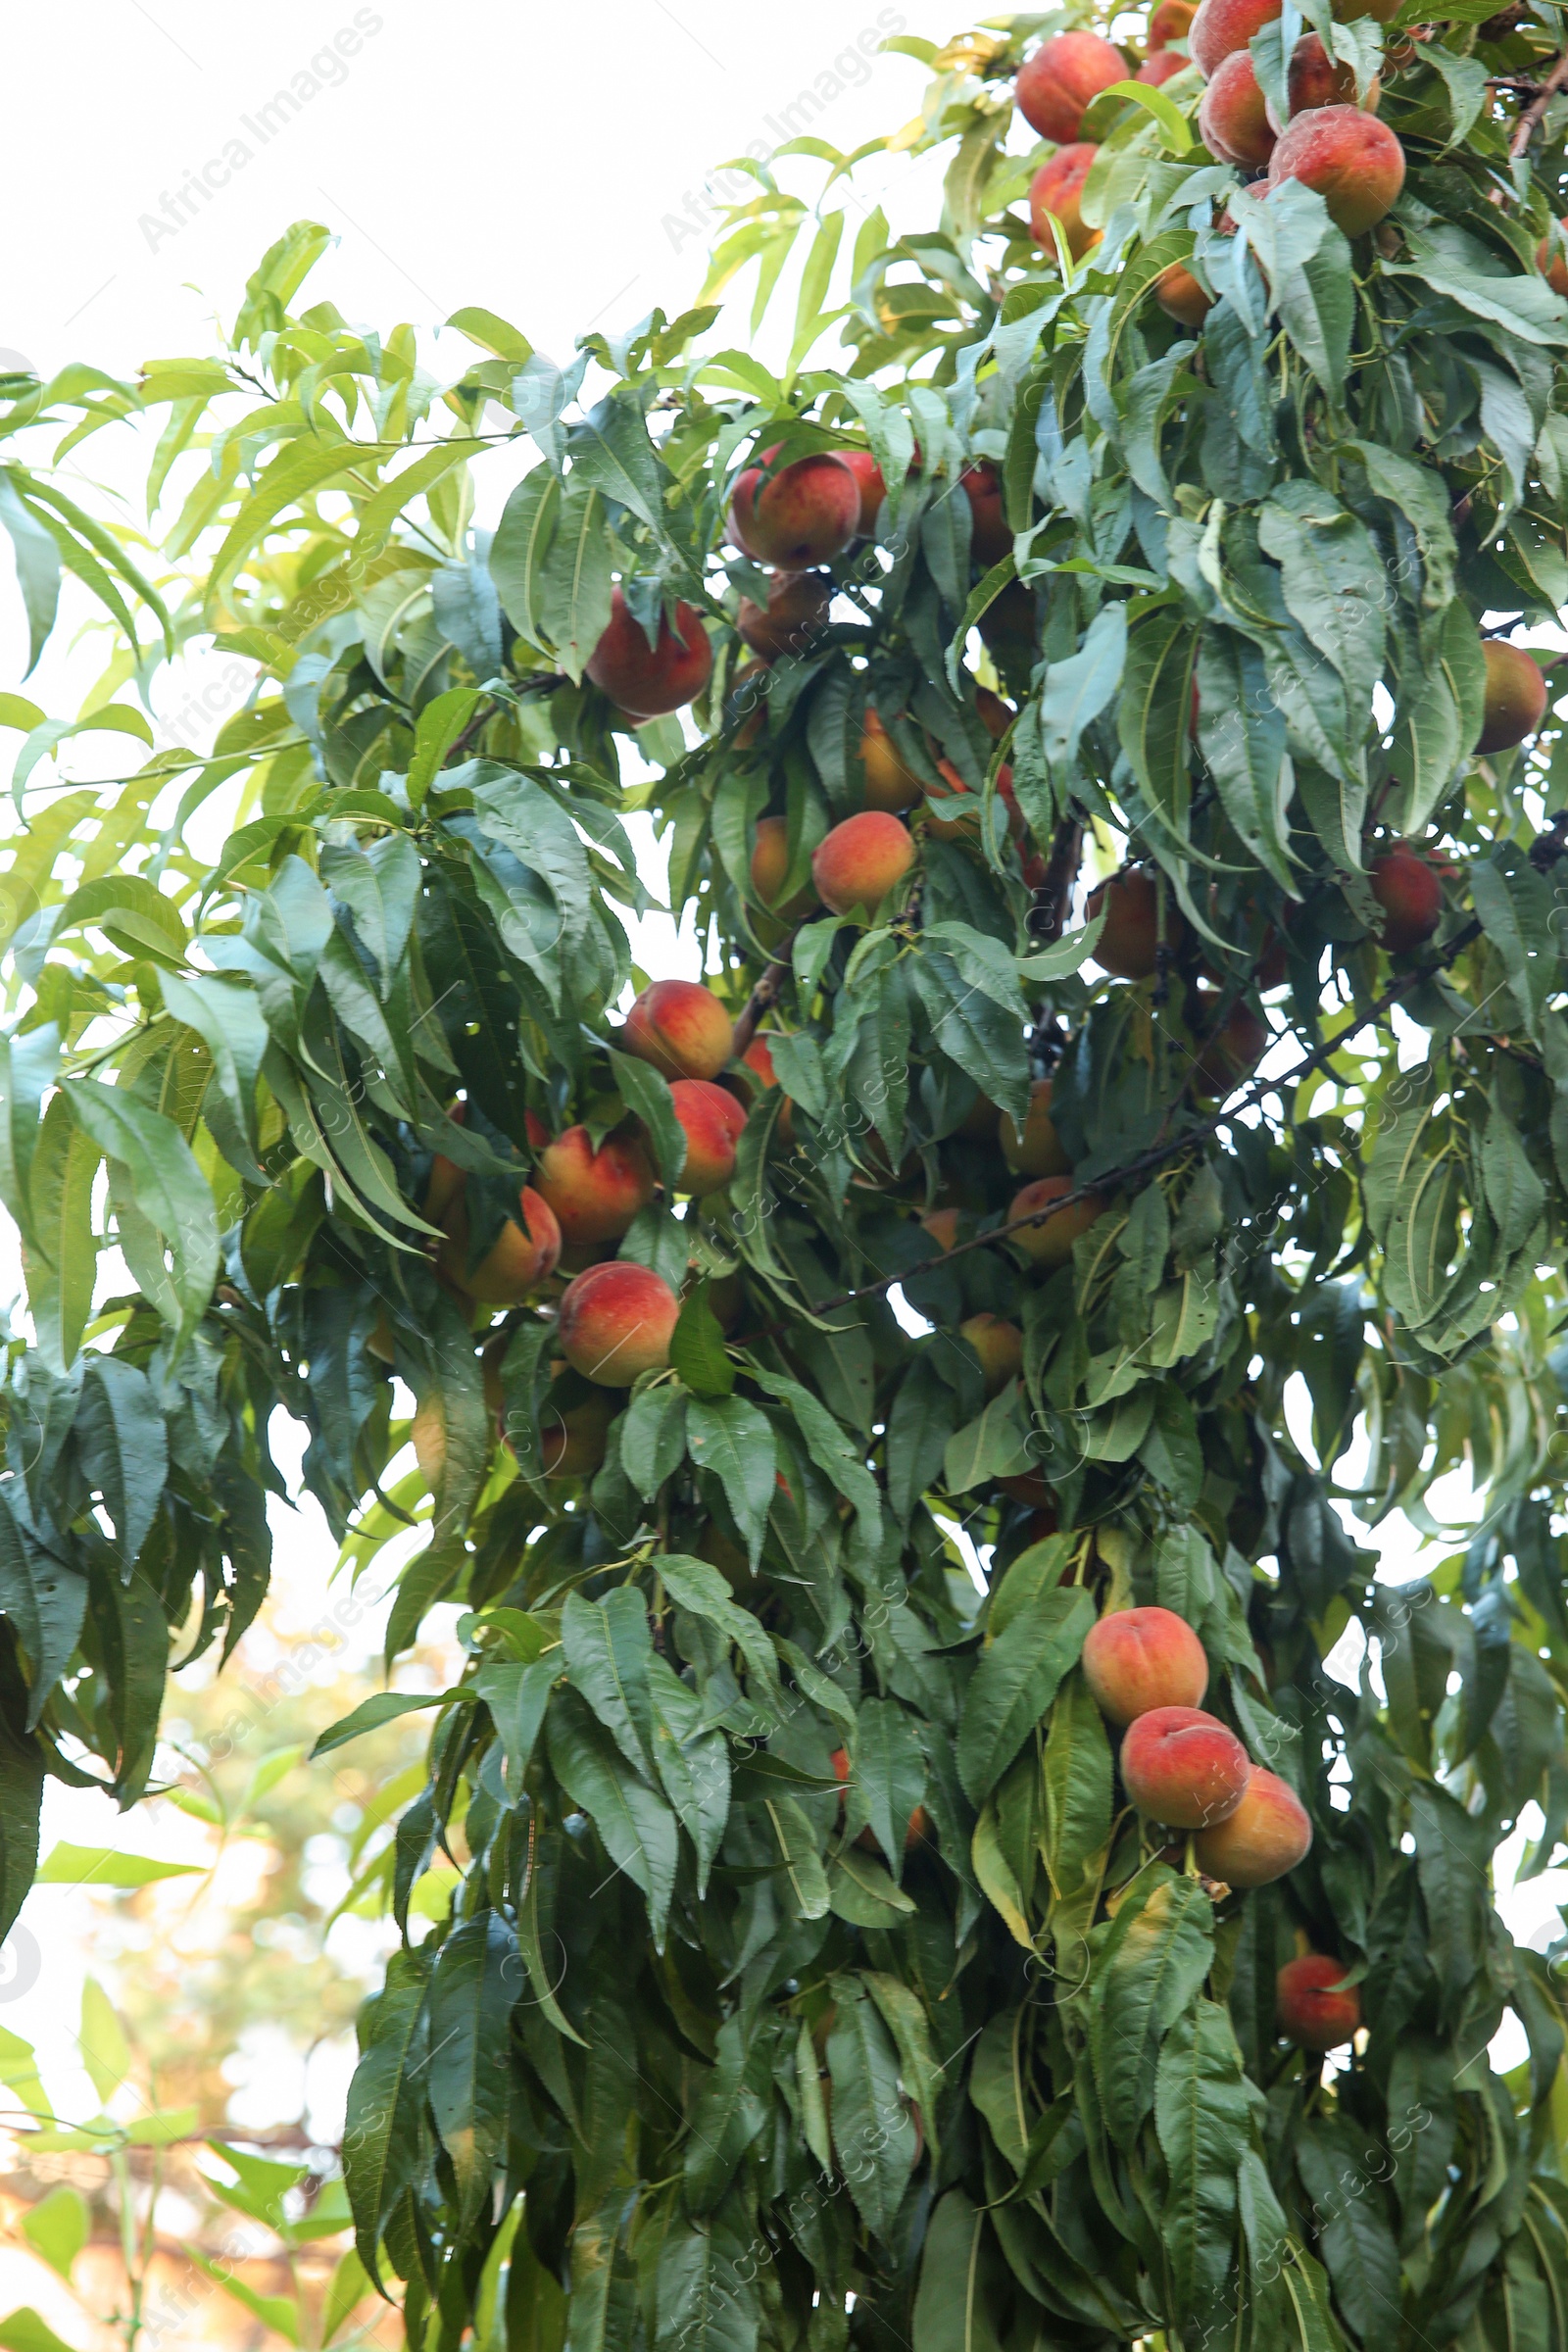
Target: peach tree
point(943, 1833)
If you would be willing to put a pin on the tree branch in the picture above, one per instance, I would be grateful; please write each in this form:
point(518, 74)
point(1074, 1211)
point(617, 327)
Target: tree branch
point(1530, 120)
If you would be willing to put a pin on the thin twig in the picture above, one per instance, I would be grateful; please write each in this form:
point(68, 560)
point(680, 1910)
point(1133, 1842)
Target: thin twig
point(1527, 122)
point(764, 996)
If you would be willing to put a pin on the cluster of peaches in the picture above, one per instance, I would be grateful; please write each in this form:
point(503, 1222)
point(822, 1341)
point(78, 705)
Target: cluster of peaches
point(1332, 141)
point(1184, 1769)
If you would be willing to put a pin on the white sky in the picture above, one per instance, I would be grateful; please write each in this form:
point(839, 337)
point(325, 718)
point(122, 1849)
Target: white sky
point(547, 163)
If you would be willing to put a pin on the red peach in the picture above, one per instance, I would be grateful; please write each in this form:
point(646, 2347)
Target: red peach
point(1222, 27)
point(1138, 1659)
point(1353, 161)
point(1266, 1836)
point(617, 1322)
point(712, 1120)
point(1183, 1767)
point(874, 489)
point(1179, 294)
point(572, 1443)
point(646, 681)
point(796, 612)
point(1129, 944)
point(1310, 2012)
point(861, 862)
point(994, 715)
point(1556, 265)
point(806, 513)
point(1064, 77)
point(594, 1195)
point(1050, 1243)
point(889, 784)
point(1000, 1347)
point(1515, 696)
point(770, 865)
point(942, 1224)
point(1172, 21)
point(681, 1028)
point(1233, 1052)
point(1039, 1151)
point(1055, 191)
point(1410, 896)
point(990, 534)
point(1163, 66)
point(1233, 120)
point(1317, 79)
point(523, 1256)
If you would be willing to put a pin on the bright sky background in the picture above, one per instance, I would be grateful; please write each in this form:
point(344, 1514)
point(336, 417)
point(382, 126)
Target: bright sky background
point(548, 163)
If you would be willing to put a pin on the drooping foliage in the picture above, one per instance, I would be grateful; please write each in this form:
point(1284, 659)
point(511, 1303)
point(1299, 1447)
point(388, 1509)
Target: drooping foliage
point(811, 1978)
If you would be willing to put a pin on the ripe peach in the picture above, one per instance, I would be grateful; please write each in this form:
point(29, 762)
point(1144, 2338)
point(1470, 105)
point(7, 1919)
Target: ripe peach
point(572, 1443)
point(1061, 78)
point(1515, 699)
point(523, 1256)
point(1056, 190)
point(712, 1120)
point(1556, 265)
point(942, 1224)
point(1317, 79)
point(1266, 1836)
point(1233, 120)
point(795, 614)
point(1028, 1487)
point(759, 1057)
point(967, 817)
point(1183, 1767)
point(994, 715)
point(770, 865)
point(1172, 21)
point(1037, 1152)
point(874, 489)
point(446, 1179)
point(1353, 161)
point(747, 701)
point(1410, 896)
point(1163, 66)
point(1129, 944)
point(1310, 2012)
point(806, 513)
point(617, 1322)
point(889, 784)
point(861, 862)
point(1050, 1243)
point(1138, 1659)
point(592, 1194)
point(1222, 27)
point(990, 533)
point(1178, 292)
point(1234, 1050)
point(646, 681)
point(998, 1345)
point(681, 1028)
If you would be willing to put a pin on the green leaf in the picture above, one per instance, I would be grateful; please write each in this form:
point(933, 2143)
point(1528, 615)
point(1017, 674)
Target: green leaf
point(707, 2301)
point(280, 2313)
point(125, 1449)
point(1202, 2114)
point(698, 1585)
point(101, 1866)
point(1015, 1681)
point(697, 1354)
point(1077, 1788)
point(383, 2133)
point(653, 1436)
point(606, 1647)
point(647, 1094)
point(734, 1442)
point(473, 1989)
point(518, 550)
point(729, 2114)
point(635, 1823)
point(873, 2135)
point(887, 1780)
point(58, 2226)
point(105, 2051)
point(384, 1707)
point(22, 2331)
point(168, 1185)
point(1155, 1960)
point(951, 2307)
